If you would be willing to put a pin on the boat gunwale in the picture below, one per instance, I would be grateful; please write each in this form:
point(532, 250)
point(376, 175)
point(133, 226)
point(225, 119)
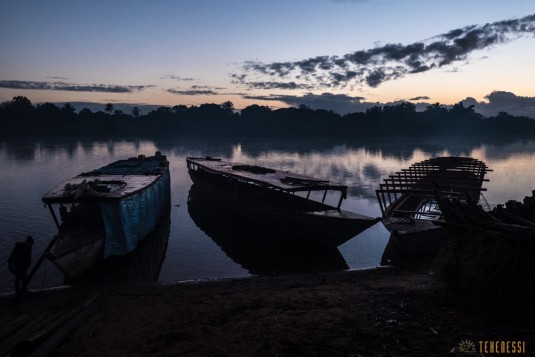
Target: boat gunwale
point(322, 185)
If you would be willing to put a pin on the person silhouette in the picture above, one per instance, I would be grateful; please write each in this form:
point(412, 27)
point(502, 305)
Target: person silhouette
point(19, 260)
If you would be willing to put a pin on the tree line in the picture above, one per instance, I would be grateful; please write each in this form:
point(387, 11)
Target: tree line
point(20, 117)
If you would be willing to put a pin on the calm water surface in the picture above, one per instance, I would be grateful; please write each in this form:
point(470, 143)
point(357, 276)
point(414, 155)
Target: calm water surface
point(31, 169)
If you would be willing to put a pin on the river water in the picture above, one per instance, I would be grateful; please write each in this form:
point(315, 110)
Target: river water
point(200, 247)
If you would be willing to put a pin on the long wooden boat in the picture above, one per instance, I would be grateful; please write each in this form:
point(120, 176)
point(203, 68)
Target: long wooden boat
point(279, 199)
point(408, 202)
point(107, 211)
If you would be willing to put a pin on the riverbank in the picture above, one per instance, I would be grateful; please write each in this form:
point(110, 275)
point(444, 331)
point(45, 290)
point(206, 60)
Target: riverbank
point(379, 312)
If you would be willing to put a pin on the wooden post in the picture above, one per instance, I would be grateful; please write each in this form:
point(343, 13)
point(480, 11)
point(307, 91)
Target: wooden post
point(53, 215)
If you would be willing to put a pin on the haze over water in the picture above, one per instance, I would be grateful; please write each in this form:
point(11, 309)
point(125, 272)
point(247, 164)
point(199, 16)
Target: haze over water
point(30, 169)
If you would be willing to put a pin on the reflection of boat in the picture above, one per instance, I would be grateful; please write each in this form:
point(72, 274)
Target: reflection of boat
point(260, 250)
point(112, 209)
point(409, 208)
point(269, 198)
point(142, 265)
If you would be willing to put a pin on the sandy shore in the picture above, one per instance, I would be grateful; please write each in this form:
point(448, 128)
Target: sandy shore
point(385, 312)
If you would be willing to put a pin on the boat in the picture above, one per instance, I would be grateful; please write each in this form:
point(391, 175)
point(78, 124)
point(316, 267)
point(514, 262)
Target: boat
point(279, 200)
point(106, 212)
point(515, 221)
point(259, 249)
point(409, 207)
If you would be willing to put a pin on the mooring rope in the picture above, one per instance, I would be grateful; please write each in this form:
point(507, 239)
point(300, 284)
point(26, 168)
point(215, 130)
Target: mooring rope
point(44, 277)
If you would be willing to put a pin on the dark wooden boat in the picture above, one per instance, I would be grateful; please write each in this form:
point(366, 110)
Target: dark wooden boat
point(107, 212)
point(279, 200)
point(467, 216)
point(408, 202)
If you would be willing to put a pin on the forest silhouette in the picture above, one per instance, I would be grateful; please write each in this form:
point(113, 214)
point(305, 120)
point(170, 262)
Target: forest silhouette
point(19, 118)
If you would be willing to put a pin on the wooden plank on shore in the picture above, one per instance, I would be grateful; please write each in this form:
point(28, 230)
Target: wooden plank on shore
point(10, 327)
point(62, 331)
point(38, 335)
point(27, 329)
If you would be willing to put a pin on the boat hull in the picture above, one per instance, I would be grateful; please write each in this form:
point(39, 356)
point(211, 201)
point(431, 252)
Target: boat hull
point(284, 212)
point(413, 243)
point(76, 261)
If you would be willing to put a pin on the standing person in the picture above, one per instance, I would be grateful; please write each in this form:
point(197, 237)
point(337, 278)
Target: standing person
point(19, 260)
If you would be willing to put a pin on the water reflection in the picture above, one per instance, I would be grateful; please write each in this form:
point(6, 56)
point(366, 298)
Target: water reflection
point(32, 167)
point(259, 250)
point(141, 266)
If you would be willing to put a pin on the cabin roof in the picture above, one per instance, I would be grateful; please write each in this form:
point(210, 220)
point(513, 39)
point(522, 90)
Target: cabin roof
point(152, 165)
point(121, 186)
point(283, 180)
point(111, 182)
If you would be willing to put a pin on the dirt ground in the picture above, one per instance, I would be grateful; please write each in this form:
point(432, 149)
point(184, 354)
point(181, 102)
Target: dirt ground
point(378, 312)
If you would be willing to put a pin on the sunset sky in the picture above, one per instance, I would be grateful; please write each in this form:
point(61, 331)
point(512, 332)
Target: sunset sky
point(335, 54)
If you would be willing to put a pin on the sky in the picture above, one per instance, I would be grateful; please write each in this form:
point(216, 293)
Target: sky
point(342, 55)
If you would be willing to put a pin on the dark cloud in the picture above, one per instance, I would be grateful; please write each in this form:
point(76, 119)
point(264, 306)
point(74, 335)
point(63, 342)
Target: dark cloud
point(71, 87)
point(391, 61)
point(501, 101)
point(60, 78)
point(423, 97)
point(196, 90)
point(207, 87)
point(278, 85)
point(238, 78)
point(497, 101)
point(177, 78)
point(339, 103)
point(192, 92)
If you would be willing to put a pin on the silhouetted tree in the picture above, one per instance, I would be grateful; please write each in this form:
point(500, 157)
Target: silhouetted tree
point(21, 102)
point(108, 108)
point(85, 113)
point(20, 106)
point(436, 108)
point(68, 109)
point(228, 106)
point(48, 110)
point(180, 108)
point(461, 109)
point(255, 111)
point(135, 112)
point(374, 112)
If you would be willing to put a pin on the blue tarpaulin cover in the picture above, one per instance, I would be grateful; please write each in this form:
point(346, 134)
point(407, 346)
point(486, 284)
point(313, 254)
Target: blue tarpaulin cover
point(132, 218)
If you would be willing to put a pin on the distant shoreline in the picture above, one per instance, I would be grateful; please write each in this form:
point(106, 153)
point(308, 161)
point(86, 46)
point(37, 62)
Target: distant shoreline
point(19, 117)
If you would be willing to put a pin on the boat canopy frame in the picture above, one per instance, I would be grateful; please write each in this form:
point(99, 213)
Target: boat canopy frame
point(459, 177)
